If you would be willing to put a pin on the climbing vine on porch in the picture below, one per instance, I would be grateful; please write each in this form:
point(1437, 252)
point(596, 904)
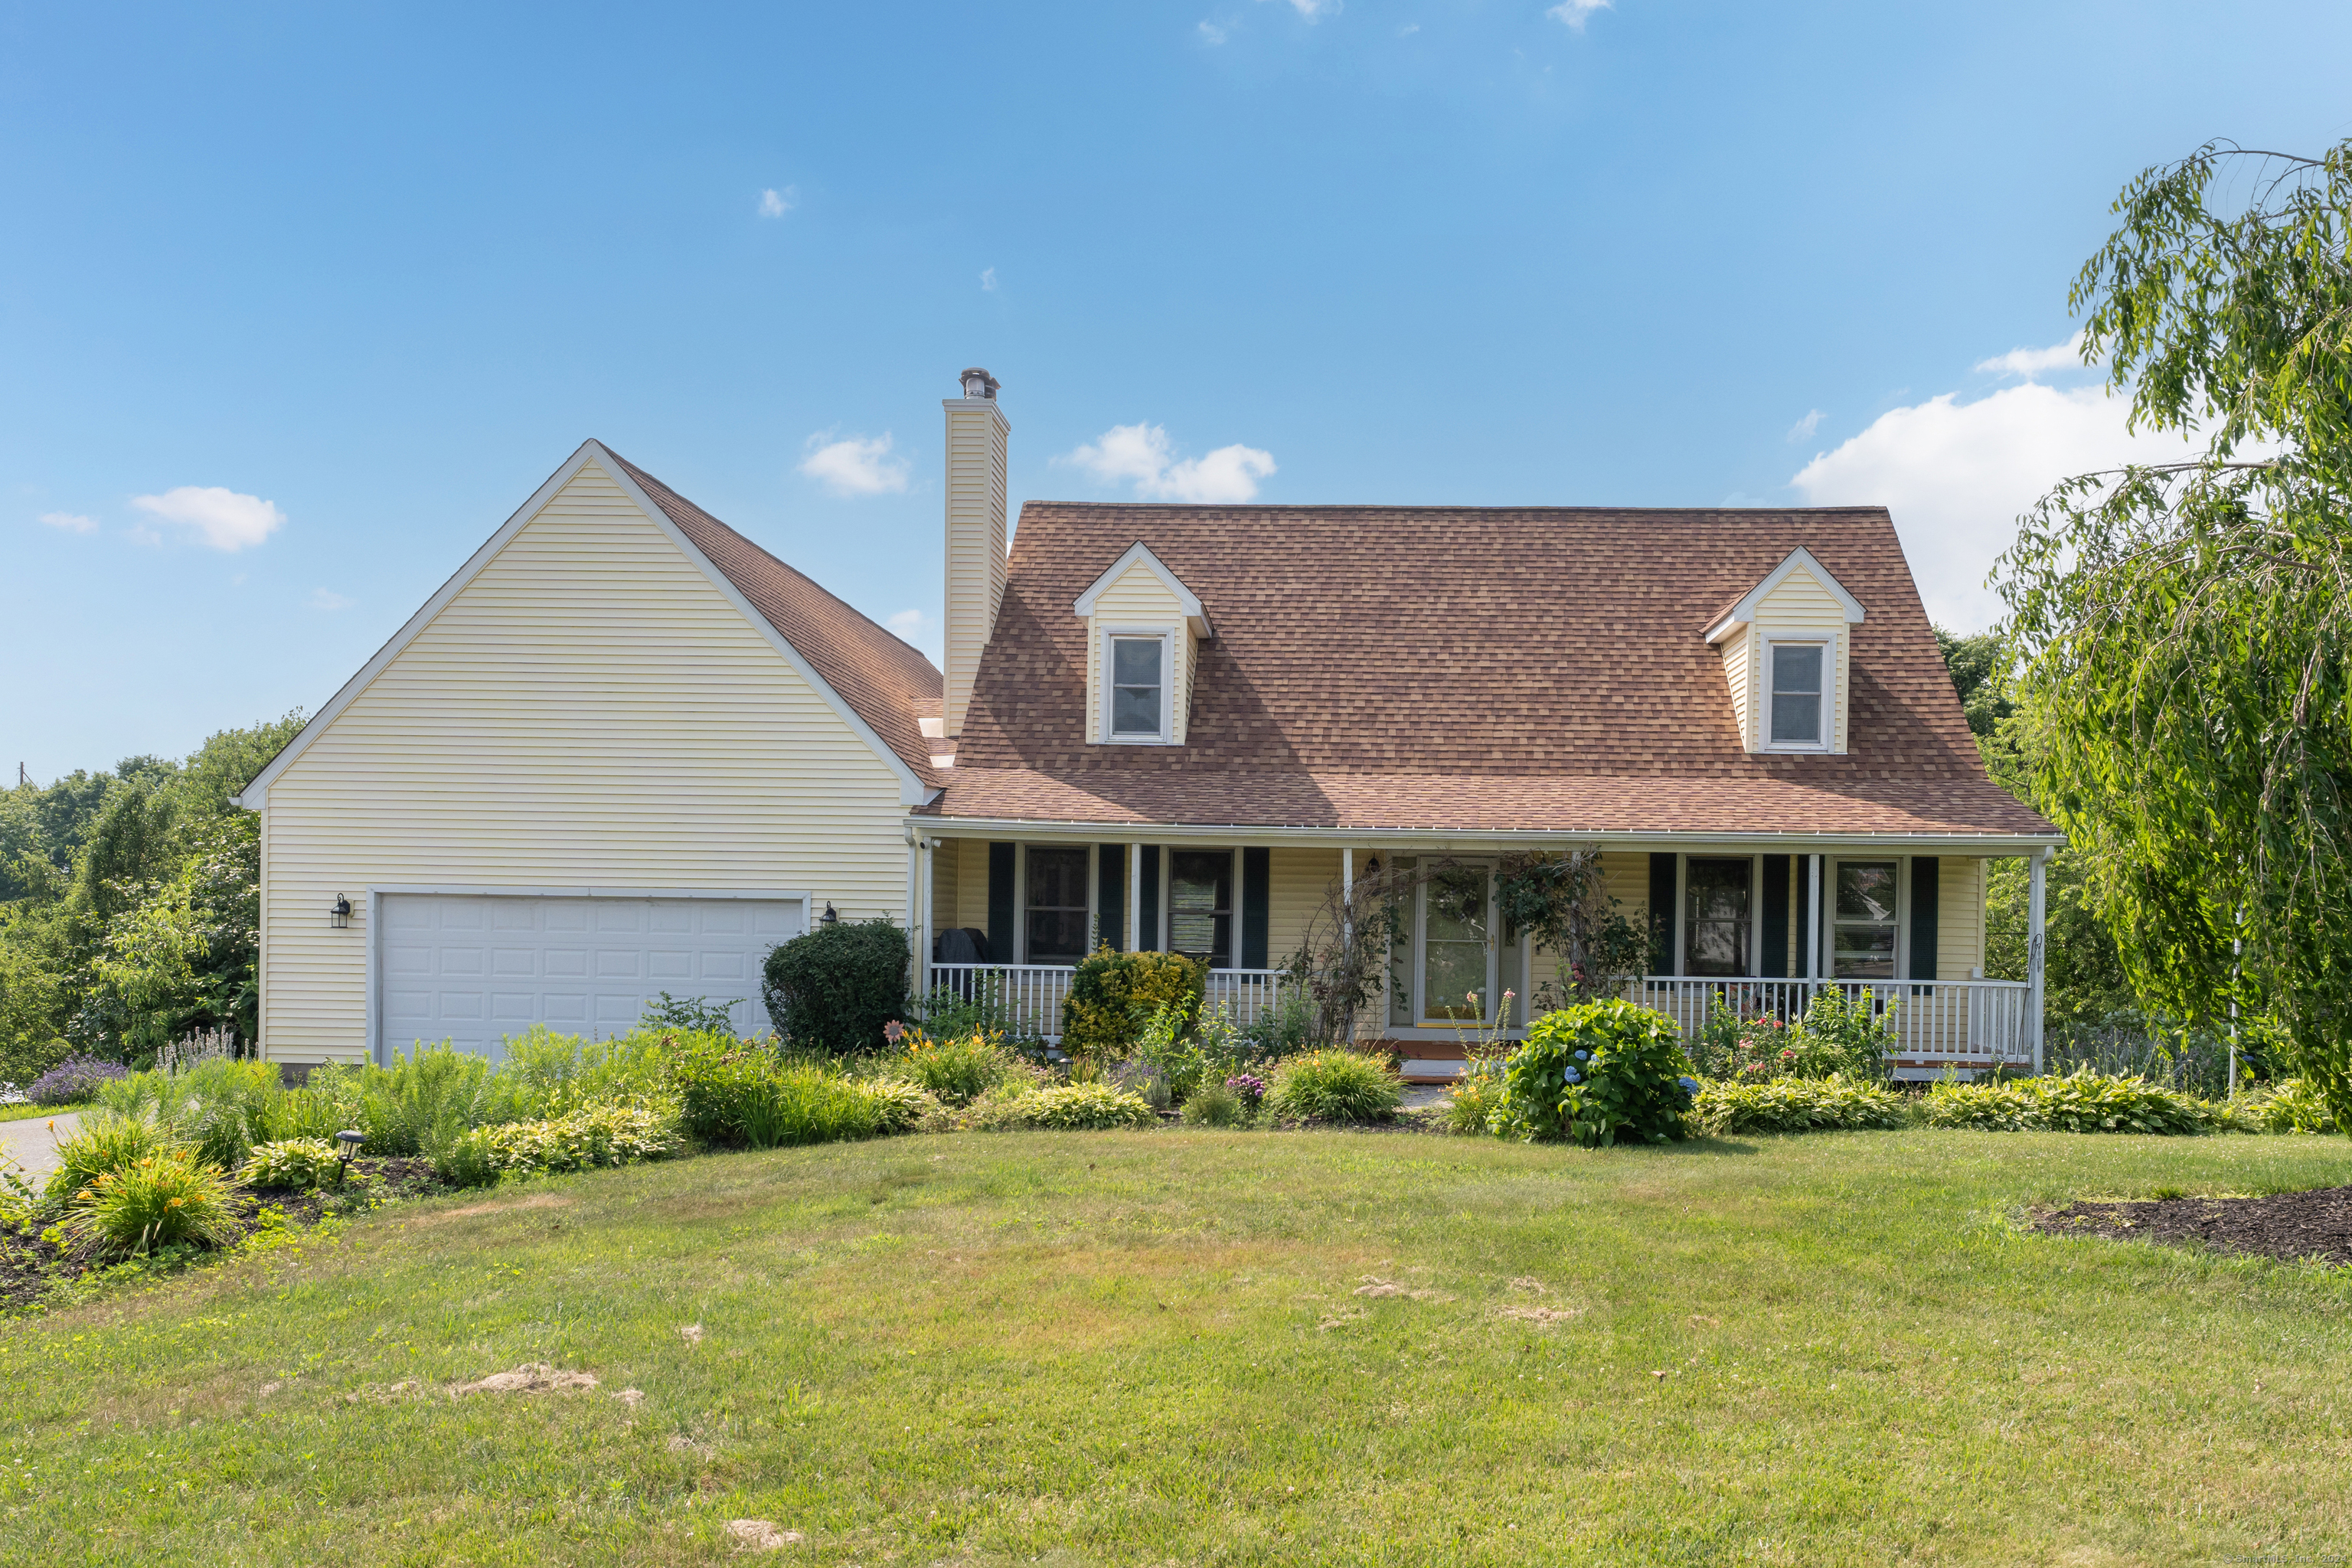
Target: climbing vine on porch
point(1561, 900)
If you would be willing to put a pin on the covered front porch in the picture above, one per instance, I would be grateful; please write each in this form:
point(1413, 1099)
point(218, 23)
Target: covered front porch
point(1756, 928)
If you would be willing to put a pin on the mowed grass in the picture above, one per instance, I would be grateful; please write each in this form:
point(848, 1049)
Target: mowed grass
point(1151, 1348)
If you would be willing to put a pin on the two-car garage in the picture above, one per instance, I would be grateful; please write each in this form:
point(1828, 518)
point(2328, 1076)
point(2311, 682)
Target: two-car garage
point(474, 966)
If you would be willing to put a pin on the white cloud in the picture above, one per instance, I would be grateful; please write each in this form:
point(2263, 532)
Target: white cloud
point(1315, 10)
point(1142, 453)
point(988, 279)
point(1212, 35)
point(2030, 363)
point(1805, 426)
point(776, 204)
point(854, 466)
point(328, 599)
point(1956, 475)
point(72, 521)
point(1408, 30)
point(906, 623)
point(227, 520)
point(1576, 12)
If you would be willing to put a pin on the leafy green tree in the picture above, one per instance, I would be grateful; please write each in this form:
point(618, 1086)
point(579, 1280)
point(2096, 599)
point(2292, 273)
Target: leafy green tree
point(1975, 663)
point(2183, 631)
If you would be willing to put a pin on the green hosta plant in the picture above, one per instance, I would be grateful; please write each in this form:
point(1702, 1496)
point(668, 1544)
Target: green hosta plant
point(2082, 1101)
point(2291, 1105)
point(900, 1106)
point(161, 1201)
point(1597, 1074)
point(1799, 1105)
point(592, 1136)
point(1335, 1084)
point(301, 1163)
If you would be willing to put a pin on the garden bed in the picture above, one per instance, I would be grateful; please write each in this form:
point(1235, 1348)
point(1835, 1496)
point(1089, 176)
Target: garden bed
point(33, 1267)
point(2293, 1227)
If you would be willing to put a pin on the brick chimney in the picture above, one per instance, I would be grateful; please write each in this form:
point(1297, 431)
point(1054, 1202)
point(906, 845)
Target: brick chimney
point(977, 429)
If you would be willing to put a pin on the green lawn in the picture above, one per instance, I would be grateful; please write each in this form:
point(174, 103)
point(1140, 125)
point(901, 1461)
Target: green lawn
point(1151, 1348)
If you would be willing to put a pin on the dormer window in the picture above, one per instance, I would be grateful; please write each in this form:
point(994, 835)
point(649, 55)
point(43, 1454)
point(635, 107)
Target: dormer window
point(1787, 654)
point(1138, 691)
point(1144, 631)
point(1796, 671)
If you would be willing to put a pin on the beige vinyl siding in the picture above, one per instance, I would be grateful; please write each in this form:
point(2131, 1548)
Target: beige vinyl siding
point(971, 882)
point(1139, 600)
point(947, 884)
point(1960, 918)
point(975, 544)
point(588, 710)
point(1738, 662)
point(1297, 882)
point(1799, 606)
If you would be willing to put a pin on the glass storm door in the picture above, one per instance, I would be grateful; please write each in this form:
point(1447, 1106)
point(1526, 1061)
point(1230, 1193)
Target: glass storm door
point(1201, 906)
point(1716, 921)
point(1457, 949)
point(1865, 920)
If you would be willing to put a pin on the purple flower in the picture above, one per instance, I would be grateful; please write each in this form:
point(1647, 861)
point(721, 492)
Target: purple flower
point(74, 1078)
point(1249, 1085)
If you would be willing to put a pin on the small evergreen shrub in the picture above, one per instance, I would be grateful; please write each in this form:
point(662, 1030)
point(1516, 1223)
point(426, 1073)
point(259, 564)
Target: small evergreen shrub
point(1597, 1073)
point(1114, 996)
point(1799, 1105)
point(163, 1200)
point(104, 1143)
point(73, 1081)
point(835, 988)
point(1067, 1108)
point(293, 1162)
point(1335, 1085)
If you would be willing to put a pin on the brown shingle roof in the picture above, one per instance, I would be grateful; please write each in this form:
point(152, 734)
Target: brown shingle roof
point(885, 681)
point(1491, 668)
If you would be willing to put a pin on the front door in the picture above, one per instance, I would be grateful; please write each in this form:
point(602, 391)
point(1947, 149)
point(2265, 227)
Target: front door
point(1458, 951)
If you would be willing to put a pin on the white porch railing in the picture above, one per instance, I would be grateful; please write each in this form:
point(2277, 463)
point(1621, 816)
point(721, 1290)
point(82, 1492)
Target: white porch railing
point(1026, 998)
point(1967, 1023)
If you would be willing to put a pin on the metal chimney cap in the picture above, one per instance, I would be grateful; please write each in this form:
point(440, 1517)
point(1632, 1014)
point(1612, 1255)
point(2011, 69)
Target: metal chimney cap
point(977, 383)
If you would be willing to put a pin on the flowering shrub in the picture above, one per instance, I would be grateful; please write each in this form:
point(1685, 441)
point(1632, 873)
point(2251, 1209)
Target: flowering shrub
point(1839, 1035)
point(163, 1199)
point(1335, 1085)
point(958, 1070)
point(301, 1163)
point(1249, 1085)
point(73, 1081)
point(1799, 1105)
point(1600, 1073)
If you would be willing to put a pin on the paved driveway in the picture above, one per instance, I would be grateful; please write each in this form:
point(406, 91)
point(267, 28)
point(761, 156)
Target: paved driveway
point(31, 1145)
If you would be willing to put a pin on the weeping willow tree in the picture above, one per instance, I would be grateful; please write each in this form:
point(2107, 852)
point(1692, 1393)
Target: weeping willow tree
point(2183, 630)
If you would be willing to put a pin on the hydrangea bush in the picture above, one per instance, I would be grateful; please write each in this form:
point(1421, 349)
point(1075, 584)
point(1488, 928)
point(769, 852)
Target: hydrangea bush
point(1597, 1074)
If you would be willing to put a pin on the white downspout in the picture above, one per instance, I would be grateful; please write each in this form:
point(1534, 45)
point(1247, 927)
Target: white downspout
point(2038, 909)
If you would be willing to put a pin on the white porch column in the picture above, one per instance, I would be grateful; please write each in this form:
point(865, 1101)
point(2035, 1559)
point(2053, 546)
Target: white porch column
point(918, 912)
point(1135, 898)
point(1347, 892)
point(1813, 917)
point(2037, 910)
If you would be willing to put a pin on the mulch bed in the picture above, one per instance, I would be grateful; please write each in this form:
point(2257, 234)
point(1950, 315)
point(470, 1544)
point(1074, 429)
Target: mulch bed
point(30, 1266)
point(2294, 1226)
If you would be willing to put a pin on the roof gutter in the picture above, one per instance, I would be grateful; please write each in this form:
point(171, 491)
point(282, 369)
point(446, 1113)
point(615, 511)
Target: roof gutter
point(1443, 838)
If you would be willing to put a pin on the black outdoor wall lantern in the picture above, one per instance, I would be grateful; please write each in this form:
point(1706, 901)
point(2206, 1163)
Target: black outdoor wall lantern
point(339, 915)
point(828, 918)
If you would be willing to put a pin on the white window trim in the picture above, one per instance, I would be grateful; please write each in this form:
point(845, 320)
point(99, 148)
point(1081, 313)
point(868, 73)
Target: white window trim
point(1827, 915)
point(1168, 677)
point(1828, 643)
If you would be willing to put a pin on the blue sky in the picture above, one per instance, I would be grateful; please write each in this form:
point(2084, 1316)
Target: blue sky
point(300, 302)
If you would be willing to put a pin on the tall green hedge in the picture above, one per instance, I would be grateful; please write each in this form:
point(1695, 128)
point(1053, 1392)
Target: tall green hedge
point(834, 988)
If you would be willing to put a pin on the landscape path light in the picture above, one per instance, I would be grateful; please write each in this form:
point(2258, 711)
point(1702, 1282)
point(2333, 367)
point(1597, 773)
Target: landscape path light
point(351, 1140)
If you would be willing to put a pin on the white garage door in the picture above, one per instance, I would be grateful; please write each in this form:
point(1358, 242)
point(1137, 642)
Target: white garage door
point(473, 968)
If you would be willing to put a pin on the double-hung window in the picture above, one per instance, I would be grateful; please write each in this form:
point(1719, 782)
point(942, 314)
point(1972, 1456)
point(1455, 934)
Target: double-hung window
point(1057, 904)
point(1136, 696)
point(1797, 715)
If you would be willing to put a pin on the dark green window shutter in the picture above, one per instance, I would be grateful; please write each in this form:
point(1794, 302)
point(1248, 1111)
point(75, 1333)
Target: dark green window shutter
point(1147, 924)
point(1255, 865)
point(1776, 915)
point(1000, 915)
point(1925, 870)
point(1661, 914)
point(1110, 894)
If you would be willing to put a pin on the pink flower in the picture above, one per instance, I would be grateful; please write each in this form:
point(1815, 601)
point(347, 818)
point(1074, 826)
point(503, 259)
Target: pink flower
point(892, 1030)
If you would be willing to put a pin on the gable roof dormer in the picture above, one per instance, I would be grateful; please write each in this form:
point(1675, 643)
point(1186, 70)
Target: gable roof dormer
point(1144, 630)
point(1788, 659)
